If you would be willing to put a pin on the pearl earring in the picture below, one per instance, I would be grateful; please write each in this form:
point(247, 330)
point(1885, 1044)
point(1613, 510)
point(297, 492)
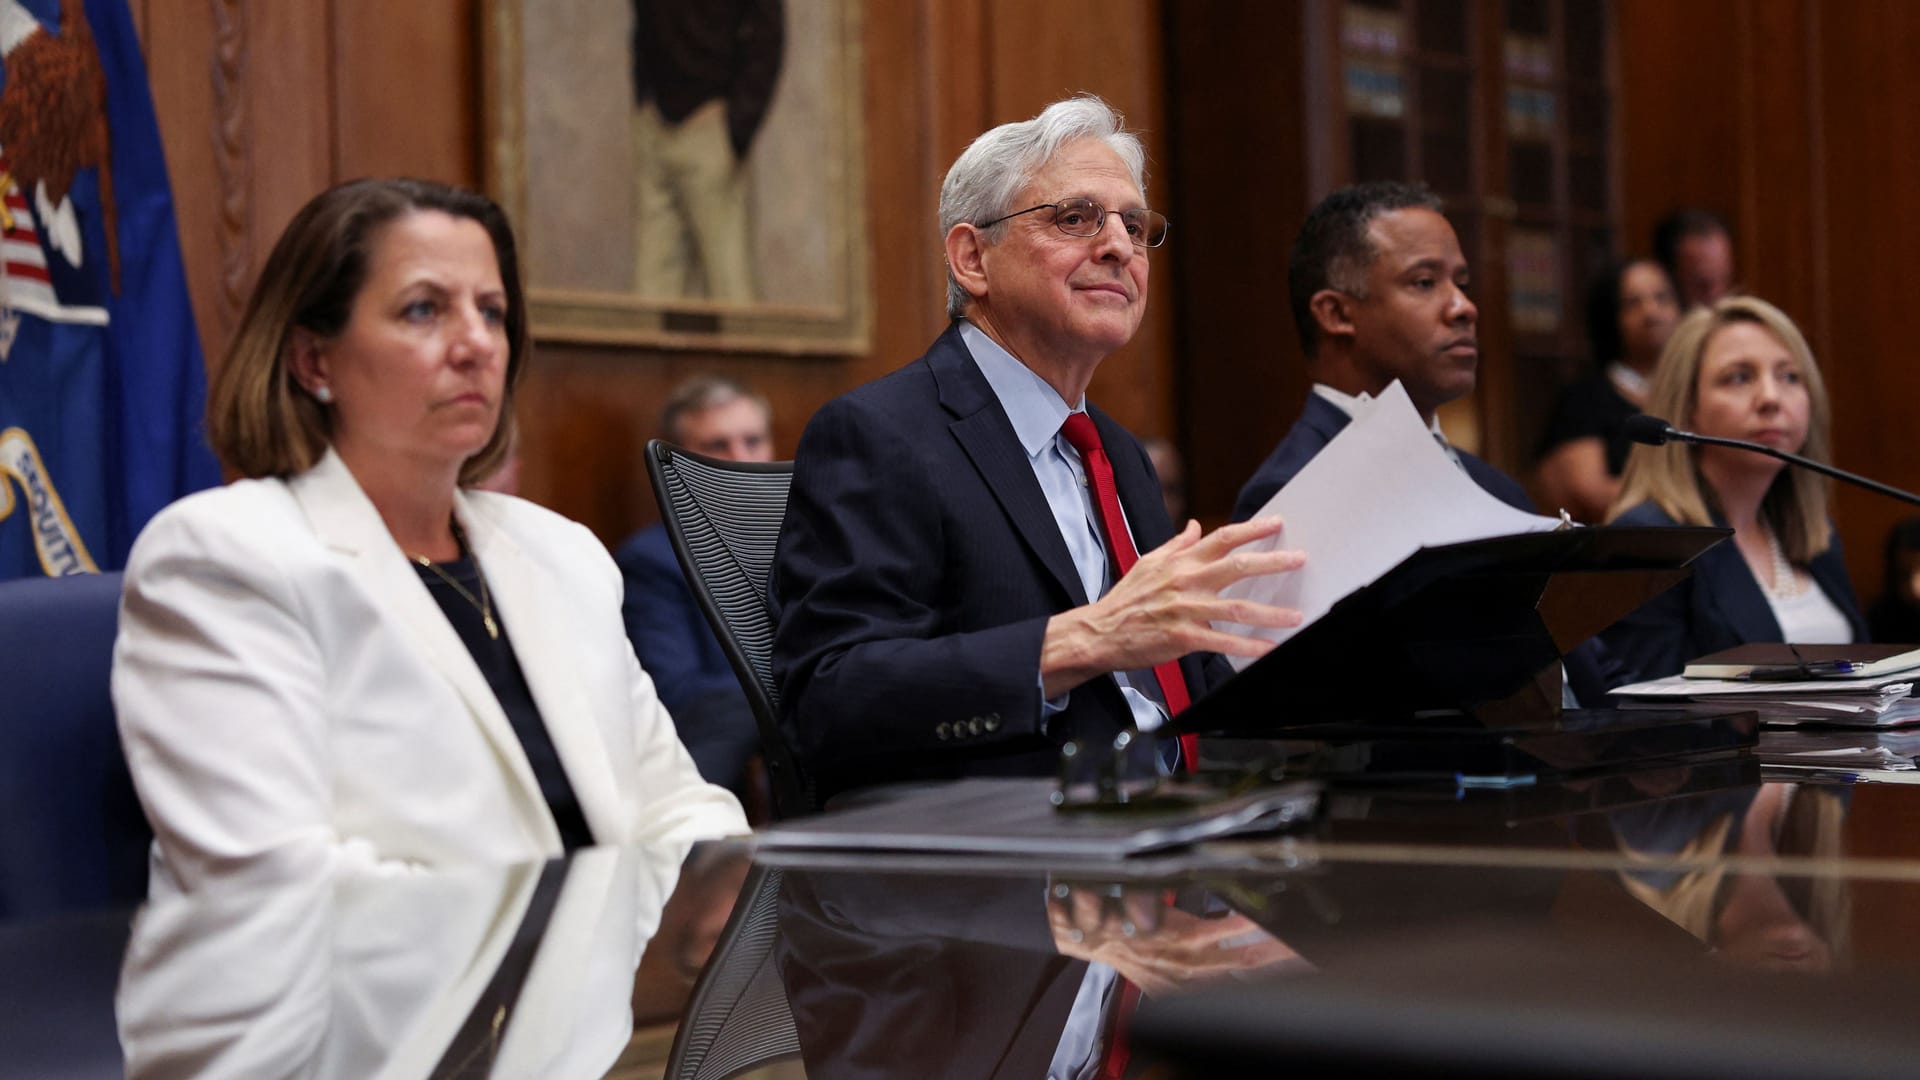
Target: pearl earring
point(323, 394)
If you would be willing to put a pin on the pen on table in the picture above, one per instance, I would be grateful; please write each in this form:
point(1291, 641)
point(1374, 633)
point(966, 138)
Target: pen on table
point(1791, 672)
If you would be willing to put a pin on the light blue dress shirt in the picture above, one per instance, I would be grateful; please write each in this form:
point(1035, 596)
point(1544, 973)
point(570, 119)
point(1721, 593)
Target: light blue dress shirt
point(1038, 412)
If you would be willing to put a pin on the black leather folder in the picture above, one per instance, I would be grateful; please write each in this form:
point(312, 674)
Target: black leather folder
point(1478, 628)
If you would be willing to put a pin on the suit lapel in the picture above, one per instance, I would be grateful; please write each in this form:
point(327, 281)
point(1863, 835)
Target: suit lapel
point(987, 436)
point(545, 646)
point(1323, 417)
point(1732, 590)
point(347, 522)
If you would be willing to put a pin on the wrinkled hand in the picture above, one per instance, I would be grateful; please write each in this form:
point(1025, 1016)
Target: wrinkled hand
point(1164, 607)
point(1158, 947)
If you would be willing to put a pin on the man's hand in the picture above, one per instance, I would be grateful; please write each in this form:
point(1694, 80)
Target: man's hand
point(1160, 948)
point(1163, 608)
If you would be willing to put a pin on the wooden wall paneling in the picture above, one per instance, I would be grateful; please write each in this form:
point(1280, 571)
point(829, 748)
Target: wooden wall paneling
point(232, 135)
point(926, 93)
point(1327, 142)
point(1492, 401)
point(181, 67)
point(1236, 71)
point(284, 111)
point(1779, 172)
point(405, 83)
point(956, 86)
point(1868, 82)
point(243, 103)
point(1678, 120)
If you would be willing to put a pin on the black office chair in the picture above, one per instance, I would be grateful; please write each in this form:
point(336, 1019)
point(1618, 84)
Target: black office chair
point(738, 1018)
point(723, 518)
point(72, 836)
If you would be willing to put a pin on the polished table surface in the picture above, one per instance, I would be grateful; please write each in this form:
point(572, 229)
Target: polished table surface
point(1548, 905)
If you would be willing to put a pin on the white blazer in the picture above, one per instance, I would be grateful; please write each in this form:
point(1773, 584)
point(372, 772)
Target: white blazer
point(289, 691)
point(373, 977)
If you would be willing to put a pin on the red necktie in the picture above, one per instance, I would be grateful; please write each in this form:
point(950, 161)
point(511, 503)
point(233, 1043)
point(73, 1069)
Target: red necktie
point(1085, 438)
point(1113, 1065)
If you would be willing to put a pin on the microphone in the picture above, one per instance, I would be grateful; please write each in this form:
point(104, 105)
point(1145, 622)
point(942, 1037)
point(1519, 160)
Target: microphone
point(1651, 430)
point(1654, 431)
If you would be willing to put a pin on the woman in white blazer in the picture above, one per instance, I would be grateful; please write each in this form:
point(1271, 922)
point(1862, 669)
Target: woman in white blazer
point(350, 655)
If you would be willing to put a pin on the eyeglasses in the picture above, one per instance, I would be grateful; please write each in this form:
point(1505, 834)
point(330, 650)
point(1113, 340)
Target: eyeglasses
point(1084, 217)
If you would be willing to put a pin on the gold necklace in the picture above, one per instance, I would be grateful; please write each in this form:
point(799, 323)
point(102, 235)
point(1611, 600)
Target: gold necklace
point(484, 602)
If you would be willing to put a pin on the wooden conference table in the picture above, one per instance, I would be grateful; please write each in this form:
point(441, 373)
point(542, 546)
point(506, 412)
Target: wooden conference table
point(1732, 918)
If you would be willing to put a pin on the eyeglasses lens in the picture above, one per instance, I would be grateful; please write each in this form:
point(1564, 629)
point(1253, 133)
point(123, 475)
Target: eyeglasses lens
point(1084, 217)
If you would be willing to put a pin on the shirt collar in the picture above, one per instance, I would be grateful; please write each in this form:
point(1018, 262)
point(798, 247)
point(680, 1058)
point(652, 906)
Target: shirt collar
point(1035, 407)
point(1346, 403)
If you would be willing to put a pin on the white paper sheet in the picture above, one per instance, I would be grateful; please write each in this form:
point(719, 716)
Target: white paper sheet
point(1379, 491)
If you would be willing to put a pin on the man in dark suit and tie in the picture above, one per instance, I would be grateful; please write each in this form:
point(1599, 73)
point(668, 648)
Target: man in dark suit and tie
point(1378, 288)
point(949, 577)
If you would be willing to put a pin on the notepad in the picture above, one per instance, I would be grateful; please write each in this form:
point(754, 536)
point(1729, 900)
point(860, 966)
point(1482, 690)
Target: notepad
point(1805, 662)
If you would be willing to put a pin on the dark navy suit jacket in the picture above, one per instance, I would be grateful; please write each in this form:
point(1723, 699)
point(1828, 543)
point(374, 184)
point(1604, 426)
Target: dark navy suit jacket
point(1719, 607)
point(892, 976)
point(1319, 422)
point(916, 571)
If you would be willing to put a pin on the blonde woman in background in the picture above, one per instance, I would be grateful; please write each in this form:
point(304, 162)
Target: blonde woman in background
point(1739, 369)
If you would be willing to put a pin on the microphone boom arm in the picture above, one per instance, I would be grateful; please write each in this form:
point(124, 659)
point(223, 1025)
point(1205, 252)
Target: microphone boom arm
point(1796, 459)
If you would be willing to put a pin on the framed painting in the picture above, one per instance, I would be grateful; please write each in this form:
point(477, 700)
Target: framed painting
point(683, 173)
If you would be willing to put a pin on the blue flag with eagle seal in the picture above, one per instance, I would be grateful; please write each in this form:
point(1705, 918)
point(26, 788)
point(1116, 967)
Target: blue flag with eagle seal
point(101, 384)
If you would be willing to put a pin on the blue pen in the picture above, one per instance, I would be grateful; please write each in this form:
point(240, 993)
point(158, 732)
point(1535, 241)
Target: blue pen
point(1794, 672)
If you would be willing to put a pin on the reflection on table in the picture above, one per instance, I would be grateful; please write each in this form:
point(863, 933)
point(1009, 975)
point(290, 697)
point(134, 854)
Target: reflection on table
point(854, 965)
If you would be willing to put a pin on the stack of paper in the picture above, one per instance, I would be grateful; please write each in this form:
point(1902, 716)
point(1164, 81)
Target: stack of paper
point(1358, 517)
point(1812, 749)
point(1872, 702)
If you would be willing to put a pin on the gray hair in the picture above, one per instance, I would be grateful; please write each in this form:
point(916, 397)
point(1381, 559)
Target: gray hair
point(988, 175)
point(699, 393)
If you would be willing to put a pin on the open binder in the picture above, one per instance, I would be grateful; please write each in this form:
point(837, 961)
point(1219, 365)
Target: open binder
point(1475, 629)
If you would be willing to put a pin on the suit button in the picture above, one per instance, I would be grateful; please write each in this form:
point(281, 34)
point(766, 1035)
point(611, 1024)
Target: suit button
point(973, 726)
point(943, 731)
point(991, 721)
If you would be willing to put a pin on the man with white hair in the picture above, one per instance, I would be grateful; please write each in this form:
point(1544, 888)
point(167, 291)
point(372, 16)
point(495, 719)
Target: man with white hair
point(956, 577)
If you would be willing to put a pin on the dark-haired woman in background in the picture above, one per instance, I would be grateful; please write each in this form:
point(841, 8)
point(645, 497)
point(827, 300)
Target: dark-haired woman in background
point(1631, 311)
point(1895, 616)
point(1739, 370)
point(351, 660)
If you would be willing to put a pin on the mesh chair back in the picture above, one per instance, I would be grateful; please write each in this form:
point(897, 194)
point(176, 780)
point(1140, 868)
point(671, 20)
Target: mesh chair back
point(738, 1018)
point(724, 519)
